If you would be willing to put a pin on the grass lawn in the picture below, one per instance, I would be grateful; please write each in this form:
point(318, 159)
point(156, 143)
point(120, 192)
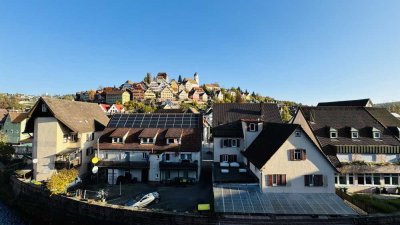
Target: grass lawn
point(380, 205)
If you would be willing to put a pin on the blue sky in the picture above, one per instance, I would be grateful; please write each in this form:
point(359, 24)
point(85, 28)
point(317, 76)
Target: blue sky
point(305, 51)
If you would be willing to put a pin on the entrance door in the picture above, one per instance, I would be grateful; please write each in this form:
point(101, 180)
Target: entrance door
point(145, 175)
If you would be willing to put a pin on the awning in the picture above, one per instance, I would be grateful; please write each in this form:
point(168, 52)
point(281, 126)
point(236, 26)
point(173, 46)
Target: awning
point(367, 149)
point(178, 166)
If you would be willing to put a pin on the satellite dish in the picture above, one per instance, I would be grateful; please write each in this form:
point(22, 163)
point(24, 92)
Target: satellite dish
point(35, 160)
point(95, 169)
point(95, 160)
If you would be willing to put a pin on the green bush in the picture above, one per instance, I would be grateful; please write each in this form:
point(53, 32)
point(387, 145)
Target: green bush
point(380, 205)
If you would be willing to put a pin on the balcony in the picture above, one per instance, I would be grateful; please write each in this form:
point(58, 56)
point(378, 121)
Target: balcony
point(68, 159)
point(125, 164)
point(182, 165)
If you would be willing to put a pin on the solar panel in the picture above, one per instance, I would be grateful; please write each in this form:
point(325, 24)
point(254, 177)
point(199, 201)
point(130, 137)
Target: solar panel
point(156, 120)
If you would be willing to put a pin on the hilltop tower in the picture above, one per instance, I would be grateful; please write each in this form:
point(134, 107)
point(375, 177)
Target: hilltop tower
point(196, 78)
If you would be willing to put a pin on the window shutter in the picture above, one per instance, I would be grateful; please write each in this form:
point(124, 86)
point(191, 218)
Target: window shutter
point(256, 127)
point(269, 180)
point(248, 127)
point(278, 179)
point(284, 179)
point(306, 180)
point(238, 143)
point(303, 154)
point(222, 143)
point(320, 180)
point(291, 154)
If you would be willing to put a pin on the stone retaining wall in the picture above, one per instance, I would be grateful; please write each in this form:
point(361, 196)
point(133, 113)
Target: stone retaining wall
point(39, 205)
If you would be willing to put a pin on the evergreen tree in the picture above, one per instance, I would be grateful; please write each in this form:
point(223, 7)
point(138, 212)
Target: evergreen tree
point(180, 79)
point(286, 117)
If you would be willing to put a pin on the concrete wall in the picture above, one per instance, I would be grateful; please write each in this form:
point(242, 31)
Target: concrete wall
point(315, 163)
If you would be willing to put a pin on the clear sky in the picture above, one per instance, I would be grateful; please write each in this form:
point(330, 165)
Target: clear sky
point(305, 51)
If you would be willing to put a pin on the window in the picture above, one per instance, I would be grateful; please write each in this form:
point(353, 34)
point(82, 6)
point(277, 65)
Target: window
point(298, 133)
point(230, 143)
point(276, 180)
point(391, 179)
point(315, 180)
point(167, 157)
point(376, 134)
point(186, 156)
point(368, 179)
point(252, 127)
point(297, 154)
point(147, 140)
point(89, 151)
point(342, 179)
point(360, 179)
point(354, 134)
point(224, 158)
point(333, 133)
point(170, 141)
point(377, 179)
point(351, 179)
point(368, 157)
point(117, 140)
point(90, 137)
point(145, 155)
point(44, 108)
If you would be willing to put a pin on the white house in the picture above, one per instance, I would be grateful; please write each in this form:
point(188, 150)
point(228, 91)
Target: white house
point(159, 148)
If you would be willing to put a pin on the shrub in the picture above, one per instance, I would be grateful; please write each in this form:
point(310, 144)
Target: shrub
point(59, 181)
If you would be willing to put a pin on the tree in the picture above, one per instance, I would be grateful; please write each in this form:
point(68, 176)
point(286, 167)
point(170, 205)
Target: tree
point(6, 152)
point(148, 78)
point(59, 181)
point(68, 97)
point(285, 115)
point(180, 79)
point(91, 94)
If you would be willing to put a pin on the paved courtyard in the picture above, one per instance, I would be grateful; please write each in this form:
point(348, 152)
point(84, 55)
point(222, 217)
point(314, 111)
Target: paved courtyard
point(247, 199)
point(172, 198)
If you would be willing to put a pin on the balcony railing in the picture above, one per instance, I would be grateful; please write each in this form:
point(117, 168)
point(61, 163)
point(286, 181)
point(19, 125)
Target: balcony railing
point(67, 164)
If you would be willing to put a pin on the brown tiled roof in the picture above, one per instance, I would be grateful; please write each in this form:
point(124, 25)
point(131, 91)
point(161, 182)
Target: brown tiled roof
point(191, 141)
point(370, 168)
point(120, 132)
point(227, 116)
point(17, 117)
point(3, 114)
point(358, 102)
point(149, 132)
point(384, 117)
point(80, 117)
point(174, 133)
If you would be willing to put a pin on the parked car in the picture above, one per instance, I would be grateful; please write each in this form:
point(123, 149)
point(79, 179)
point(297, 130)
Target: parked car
point(145, 200)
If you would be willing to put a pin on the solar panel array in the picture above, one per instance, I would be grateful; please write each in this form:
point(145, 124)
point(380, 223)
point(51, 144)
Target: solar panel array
point(156, 120)
point(247, 199)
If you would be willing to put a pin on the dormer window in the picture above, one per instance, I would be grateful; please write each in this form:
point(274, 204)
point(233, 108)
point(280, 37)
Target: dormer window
point(147, 140)
point(117, 140)
point(170, 140)
point(354, 133)
point(333, 133)
point(376, 134)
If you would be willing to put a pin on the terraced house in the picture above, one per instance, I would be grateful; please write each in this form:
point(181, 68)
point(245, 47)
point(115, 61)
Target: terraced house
point(157, 147)
point(63, 135)
point(252, 145)
point(361, 141)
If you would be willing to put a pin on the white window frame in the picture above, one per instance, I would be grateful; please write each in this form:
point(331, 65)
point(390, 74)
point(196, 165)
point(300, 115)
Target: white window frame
point(333, 134)
point(145, 155)
point(354, 134)
point(298, 133)
point(297, 154)
point(44, 108)
point(169, 140)
point(377, 135)
point(116, 140)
